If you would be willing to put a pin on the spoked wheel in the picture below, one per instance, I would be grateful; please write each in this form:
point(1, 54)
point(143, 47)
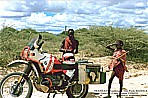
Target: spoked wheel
point(10, 88)
point(77, 91)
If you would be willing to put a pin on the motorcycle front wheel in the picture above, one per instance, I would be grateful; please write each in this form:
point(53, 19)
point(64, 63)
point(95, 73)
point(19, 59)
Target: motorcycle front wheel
point(10, 88)
point(77, 91)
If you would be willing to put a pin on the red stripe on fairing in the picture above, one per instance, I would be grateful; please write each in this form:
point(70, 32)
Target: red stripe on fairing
point(56, 61)
point(22, 53)
point(64, 71)
point(54, 71)
point(49, 64)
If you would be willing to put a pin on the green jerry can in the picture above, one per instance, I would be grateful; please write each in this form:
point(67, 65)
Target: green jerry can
point(102, 77)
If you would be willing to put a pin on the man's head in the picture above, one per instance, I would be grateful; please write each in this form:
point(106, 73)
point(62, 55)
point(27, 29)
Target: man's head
point(119, 43)
point(70, 32)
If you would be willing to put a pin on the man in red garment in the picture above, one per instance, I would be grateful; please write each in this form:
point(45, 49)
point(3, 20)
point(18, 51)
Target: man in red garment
point(71, 44)
point(117, 64)
point(69, 47)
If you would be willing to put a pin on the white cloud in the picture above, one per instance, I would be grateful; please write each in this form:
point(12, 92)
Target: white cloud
point(3, 5)
point(38, 18)
point(10, 14)
point(61, 17)
point(49, 15)
point(140, 4)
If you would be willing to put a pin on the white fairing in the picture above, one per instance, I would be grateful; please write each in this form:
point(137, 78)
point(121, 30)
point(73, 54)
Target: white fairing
point(37, 55)
point(48, 63)
point(46, 59)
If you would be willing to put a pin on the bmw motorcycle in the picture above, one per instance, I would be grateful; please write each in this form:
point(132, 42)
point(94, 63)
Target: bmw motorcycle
point(45, 72)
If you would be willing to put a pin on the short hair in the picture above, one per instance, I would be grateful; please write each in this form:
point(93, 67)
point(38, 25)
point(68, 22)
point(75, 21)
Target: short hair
point(70, 32)
point(120, 42)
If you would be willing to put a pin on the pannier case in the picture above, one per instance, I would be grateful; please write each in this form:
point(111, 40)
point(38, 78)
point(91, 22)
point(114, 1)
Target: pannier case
point(90, 73)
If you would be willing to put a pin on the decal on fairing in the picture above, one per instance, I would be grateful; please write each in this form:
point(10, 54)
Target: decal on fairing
point(51, 65)
point(48, 63)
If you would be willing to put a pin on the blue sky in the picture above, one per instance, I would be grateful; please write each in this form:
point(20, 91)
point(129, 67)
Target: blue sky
point(52, 15)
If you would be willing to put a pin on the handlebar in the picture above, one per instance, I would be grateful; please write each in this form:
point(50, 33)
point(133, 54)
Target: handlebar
point(66, 50)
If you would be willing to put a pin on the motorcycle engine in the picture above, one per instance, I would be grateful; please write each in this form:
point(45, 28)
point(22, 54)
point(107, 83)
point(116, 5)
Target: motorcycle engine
point(55, 80)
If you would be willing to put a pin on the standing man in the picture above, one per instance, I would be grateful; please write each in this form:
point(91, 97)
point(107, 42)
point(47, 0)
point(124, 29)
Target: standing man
point(69, 46)
point(117, 64)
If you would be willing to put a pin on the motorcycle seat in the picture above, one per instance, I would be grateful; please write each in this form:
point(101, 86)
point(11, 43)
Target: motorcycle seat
point(65, 66)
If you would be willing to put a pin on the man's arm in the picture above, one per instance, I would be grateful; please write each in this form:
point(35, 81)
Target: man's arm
point(110, 47)
point(122, 59)
point(67, 42)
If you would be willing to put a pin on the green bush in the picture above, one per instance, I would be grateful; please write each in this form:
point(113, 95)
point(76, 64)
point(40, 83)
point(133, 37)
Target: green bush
point(92, 42)
point(96, 38)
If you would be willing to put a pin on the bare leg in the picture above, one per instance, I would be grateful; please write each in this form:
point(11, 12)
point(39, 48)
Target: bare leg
point(121, 85)
point(110, 82)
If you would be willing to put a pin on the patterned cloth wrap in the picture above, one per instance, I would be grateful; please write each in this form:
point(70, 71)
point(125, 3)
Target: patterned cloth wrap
point(118, 65)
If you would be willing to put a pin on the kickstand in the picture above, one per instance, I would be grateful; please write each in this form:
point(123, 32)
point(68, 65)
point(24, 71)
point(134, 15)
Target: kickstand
point(48, 95)
point(54, 94)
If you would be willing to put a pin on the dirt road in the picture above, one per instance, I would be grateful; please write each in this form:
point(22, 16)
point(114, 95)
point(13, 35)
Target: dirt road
point(135, 84)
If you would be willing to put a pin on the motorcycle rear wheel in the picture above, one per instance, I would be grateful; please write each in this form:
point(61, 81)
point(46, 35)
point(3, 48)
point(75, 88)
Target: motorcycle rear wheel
point(10, 82)
point(77, 91)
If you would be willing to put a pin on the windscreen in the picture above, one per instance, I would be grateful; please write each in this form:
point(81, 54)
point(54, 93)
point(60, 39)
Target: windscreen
point(31, 43)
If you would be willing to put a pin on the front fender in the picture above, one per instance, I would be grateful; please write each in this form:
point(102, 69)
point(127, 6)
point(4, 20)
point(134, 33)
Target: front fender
point(17, 62)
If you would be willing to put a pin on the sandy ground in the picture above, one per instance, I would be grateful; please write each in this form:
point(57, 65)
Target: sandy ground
point(135, 84)
point(133, 87)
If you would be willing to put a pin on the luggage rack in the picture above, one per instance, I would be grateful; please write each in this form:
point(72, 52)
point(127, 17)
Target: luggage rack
point(90, 73)
point(83, 62)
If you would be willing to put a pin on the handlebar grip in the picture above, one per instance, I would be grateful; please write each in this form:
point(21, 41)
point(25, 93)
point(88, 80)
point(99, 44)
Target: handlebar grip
point(42, 42)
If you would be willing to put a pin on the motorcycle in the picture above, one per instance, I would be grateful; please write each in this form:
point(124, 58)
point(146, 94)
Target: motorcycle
point(43, 71)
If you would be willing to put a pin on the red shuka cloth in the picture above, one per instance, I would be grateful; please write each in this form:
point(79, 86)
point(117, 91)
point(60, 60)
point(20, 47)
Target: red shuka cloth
point(118, 66)
point(70, 43)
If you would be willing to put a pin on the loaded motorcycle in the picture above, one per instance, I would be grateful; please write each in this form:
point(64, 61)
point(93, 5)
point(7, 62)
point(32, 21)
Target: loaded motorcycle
point(43, 71)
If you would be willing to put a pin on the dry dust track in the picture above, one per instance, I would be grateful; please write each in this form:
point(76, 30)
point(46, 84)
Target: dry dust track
point(135, 82)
